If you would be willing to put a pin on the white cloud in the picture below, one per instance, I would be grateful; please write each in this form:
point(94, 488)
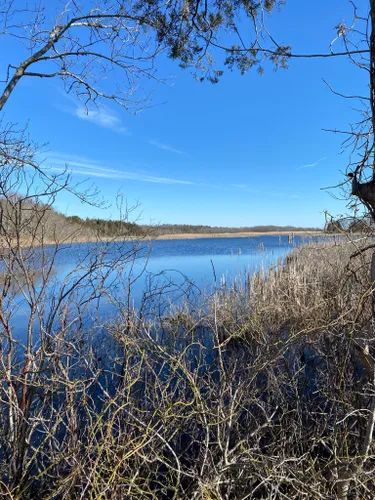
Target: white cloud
point(88, 168)
point(165, 147)
point(311, 165)
point(103, 117)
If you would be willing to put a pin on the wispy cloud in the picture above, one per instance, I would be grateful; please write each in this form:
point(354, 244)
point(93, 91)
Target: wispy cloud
point(165, 147)
point(311, 165)
point(240, 186)
point(81, 166)
point(103, 117)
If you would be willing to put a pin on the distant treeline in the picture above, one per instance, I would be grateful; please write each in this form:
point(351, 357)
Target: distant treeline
point(105, 227)
point(26, 213)
point(117, 228)
point(30, 219)
point(192, 229)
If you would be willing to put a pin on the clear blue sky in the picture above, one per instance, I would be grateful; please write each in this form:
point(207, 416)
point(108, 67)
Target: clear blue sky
point(249, 150)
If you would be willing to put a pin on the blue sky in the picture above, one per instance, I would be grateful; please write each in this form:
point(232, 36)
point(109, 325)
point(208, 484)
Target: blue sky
point(249, 150)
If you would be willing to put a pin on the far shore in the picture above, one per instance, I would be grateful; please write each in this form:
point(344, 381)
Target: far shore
point(240, 234)
point(181, 236)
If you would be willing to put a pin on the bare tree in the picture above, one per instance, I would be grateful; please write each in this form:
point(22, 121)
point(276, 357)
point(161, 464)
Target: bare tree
point(82, 43)
point(41, 354)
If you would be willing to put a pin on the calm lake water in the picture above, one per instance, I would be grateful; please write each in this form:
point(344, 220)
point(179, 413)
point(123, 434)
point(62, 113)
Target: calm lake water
point(199, 260)
point(197, 264)
point(226, 258)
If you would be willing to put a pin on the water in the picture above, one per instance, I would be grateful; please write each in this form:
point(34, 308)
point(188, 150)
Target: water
point(174, 268)
point(203, 260)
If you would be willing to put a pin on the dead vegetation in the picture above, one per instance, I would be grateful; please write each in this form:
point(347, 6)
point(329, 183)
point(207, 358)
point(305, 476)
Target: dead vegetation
point(260, 392)
point(320, 285)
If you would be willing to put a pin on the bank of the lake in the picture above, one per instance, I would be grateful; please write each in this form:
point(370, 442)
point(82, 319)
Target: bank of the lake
point(240, 234)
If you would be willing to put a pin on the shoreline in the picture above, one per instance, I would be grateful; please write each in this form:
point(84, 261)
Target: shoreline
point(171, 237)
point(240, 234)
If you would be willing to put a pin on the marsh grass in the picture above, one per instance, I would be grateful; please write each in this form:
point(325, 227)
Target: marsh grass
point(317, 286)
